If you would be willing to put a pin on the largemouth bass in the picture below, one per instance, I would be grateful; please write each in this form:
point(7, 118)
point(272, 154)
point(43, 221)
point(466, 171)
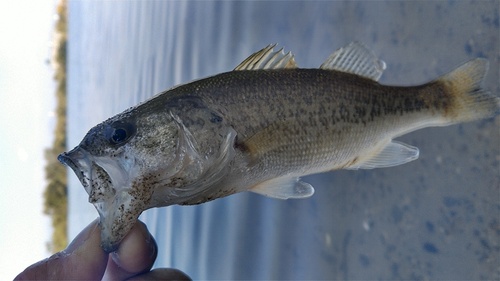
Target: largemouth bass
point(260, 128)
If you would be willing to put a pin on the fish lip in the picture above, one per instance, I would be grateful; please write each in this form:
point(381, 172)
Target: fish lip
point(67, 160)
point(77, 160)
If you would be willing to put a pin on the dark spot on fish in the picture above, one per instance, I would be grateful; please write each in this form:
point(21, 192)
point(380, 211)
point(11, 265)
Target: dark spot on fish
point(241, 146)
point(408, 103)
point(176, 182)
point(308, 99)
point(430, 248)
point(360, 112)
point(215, 118)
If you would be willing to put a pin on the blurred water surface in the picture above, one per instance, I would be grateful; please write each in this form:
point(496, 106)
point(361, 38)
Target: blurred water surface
point(435, 218)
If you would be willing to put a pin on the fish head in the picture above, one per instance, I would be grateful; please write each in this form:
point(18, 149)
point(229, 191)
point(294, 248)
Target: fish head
point(120, 163)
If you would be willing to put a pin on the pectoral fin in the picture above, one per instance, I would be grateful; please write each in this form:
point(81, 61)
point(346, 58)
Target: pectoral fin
point(393, 154)
point(284, 188)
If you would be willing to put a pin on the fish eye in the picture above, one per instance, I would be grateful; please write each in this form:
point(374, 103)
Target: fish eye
point(119, 135)
point(119, 132)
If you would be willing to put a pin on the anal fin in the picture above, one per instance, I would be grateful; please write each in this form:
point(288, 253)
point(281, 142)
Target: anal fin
point(393, 154)
point(284, 188)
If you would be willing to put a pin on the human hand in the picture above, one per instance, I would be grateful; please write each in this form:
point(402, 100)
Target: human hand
point(85, 260)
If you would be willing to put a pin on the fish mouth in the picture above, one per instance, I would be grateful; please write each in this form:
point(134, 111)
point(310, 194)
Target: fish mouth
point(109, 188)
point(78, 160)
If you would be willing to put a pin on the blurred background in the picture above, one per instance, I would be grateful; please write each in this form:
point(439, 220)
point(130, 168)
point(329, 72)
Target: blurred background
point(434, 218)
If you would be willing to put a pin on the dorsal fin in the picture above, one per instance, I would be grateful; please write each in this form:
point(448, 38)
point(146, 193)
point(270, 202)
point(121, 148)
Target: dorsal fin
point(357, 59)
point(267, 59)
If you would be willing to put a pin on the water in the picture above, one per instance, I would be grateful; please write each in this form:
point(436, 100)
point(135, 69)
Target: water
point(435, 218)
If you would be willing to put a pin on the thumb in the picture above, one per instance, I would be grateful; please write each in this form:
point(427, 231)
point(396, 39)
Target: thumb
point(82, 259)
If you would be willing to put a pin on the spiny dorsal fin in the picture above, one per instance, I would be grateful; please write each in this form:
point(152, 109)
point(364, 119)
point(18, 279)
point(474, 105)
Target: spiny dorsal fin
point(267, 59)
point(357, 59)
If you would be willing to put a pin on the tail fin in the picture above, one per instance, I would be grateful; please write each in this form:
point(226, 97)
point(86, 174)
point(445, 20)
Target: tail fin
point(470, 101)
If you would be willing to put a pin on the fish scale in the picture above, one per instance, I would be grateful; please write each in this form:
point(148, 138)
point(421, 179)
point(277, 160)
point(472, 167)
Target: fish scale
point(261, 127)
point(325, 123)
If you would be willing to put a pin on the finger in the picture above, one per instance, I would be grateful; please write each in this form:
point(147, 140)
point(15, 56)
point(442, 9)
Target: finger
point(161, 274)
point(82, 259)
point(136, 254)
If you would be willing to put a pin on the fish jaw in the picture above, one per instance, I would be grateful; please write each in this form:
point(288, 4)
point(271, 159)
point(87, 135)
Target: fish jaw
point(111, 189)
point(117, 218)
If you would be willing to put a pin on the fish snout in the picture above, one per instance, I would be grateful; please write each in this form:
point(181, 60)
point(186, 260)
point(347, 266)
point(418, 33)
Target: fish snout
point(78, 160)
point(71, 158)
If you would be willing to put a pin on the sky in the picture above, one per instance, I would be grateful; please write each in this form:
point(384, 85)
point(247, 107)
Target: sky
point(27, 101)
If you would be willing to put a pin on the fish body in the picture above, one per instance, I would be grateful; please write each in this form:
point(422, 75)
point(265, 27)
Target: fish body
point(261, 127)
